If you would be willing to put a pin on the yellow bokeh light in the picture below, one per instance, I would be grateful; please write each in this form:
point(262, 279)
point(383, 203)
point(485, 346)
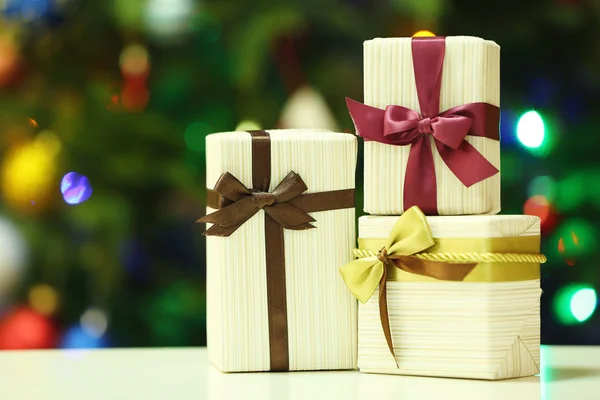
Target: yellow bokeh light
point(424, 34)
point(134, 60)
point(43, 299)
point(247, 125)
point(28, 173)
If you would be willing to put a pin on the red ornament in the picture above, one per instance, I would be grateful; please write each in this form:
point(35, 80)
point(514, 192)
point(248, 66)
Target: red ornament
point(23, 329)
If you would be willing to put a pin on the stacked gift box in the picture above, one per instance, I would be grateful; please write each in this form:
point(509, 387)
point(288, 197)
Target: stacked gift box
point(445, 287)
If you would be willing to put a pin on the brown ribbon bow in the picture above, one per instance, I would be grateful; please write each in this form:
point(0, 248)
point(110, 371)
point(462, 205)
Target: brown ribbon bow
point(245, 203)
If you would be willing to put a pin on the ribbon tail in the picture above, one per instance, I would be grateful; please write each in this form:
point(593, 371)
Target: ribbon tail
point(420, 182)
point(466, 162)
point(384, 315)
point(367, 120)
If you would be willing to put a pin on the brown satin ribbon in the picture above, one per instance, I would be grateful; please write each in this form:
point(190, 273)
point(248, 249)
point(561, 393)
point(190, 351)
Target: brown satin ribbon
point(285, 207)
point(434, 269)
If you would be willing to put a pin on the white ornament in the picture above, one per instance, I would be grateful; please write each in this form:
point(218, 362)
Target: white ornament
point(12, 257)
point(307, 109)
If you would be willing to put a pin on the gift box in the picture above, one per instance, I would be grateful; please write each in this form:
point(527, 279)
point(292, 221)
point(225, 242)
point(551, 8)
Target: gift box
point(448, 296)
point(430, 121)
point(280, 221)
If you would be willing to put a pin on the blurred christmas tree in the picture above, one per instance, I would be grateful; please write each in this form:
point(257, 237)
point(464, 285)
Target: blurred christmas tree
point(121, 93)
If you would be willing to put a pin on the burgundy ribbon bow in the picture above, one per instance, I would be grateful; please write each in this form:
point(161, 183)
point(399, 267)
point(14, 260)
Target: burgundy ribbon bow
point(401, 126)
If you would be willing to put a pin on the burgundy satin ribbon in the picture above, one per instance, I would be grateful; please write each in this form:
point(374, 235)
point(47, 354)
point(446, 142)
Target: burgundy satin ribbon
point(401, 126)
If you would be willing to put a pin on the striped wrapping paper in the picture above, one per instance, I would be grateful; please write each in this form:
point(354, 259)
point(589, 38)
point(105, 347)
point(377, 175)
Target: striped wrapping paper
point(471, 73)
point(321, 313)
point(454, 329)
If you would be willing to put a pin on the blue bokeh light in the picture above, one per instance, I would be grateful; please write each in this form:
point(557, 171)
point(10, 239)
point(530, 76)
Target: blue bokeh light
point(76, 338)
point(75, 188)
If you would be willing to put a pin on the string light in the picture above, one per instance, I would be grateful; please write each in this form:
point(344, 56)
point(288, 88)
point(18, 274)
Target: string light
point(94, 322)
point(531, 130)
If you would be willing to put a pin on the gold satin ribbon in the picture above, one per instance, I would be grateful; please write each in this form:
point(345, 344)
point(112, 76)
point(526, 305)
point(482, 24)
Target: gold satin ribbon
point(397, 258)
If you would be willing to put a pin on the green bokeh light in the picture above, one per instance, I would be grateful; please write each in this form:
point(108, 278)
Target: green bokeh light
point(574, 304)
point(542, 186)
point(531, 130)
point(195, 135)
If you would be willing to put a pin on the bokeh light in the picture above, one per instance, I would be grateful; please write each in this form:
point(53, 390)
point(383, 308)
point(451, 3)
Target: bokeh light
point(423, 34)
point(43, 299)
point(576, 238)
point(134, 61)
point(28, 173)
point(77, 338)
point(167, 20)
point(574, 303)
point(23, 329)
point(75, 188)
point(13, 257)
point(583, 304)
point(247, 125)
point(538, 206)
point(195, 135)
point(94, 322)
point(531, 130)
point(542, 186)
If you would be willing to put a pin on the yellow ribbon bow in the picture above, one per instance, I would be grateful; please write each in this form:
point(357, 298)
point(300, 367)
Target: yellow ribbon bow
point(411, 234)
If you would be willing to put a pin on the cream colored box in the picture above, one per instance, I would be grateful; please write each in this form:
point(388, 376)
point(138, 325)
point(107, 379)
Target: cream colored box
point(321, 313)
point(467, 329)
point(471, 73)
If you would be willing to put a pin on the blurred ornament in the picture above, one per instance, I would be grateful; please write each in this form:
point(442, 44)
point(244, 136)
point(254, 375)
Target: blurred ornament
point(134, 61)
point(43, 299)
point(571, 191)
point(574, 303)
point(177, 316)
point(28, 173)
point(13, 255)
point(530, 130)
point(135, 96)
point(206, 26)
point(247, 125)
point(542, 186)
point(9, 60)
point(539, 206)
point(75, 188)
point(24, 328)
point(168, 20)
point(307, 109)
point(577, 238)
point(423, 34)
point(94, 322)
point(195, 135)
point(77, 338)
point(27, 10)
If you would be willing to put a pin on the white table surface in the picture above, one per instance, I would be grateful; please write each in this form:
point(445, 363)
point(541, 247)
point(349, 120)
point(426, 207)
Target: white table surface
point(570, 373)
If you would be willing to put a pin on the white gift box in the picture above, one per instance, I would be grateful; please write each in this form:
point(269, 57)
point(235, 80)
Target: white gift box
point(321, 313)
point(470, 73)
point(467, 329)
